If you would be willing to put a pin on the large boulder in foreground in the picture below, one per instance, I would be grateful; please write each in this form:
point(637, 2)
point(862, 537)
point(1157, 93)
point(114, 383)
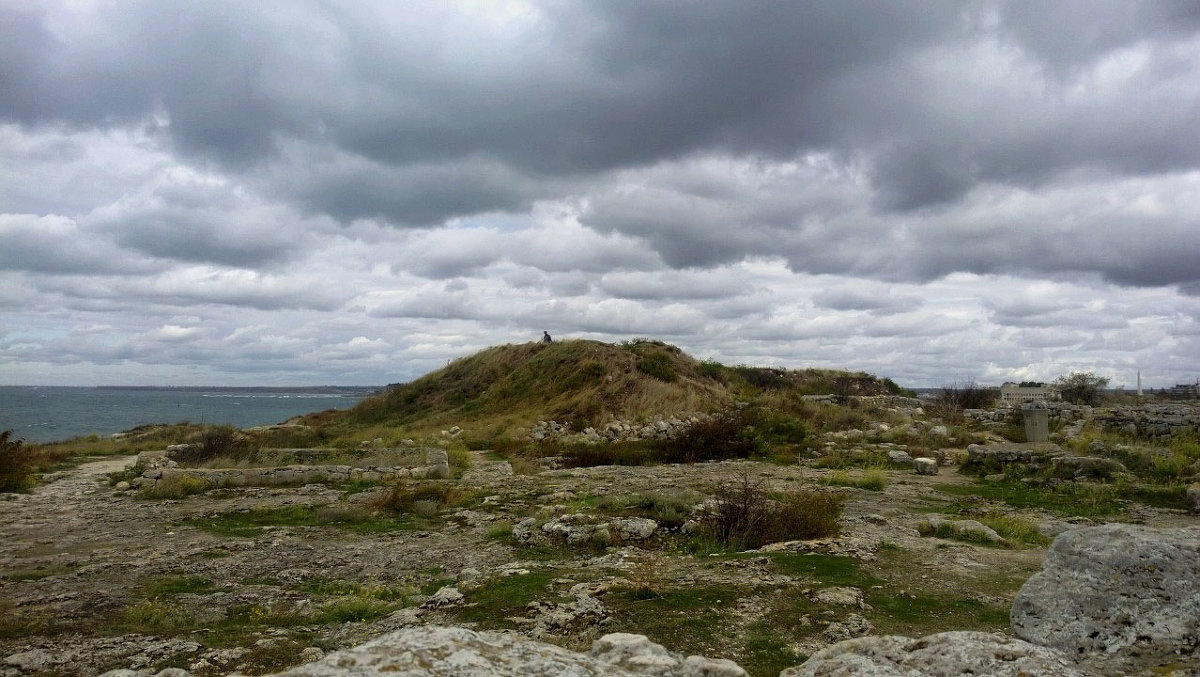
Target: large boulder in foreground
point(946, 653)
point(433, 651)
point(1114, 592)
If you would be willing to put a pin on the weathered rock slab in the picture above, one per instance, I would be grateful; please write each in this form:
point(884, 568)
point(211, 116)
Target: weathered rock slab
point(925, 466)
point(432, 651)
point(946, 653)
point(1115, 590)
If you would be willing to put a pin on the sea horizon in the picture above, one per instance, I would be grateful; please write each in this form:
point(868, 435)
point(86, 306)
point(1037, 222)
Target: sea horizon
point(39, 414)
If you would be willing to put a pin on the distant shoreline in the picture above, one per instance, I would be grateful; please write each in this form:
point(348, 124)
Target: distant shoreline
point(320, 390)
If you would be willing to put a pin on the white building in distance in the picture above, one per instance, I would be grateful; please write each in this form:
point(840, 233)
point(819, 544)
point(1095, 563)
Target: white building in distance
point(1016, 394)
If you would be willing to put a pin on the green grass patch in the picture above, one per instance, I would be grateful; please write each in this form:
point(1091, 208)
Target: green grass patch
point(268, 658)
point(18, 575)
point(825, 569)
point(688, 620)
point(251, 523)
point(353, 610)
point(493, 603)
point(767, 651)
point(14, 625)
point(1171, 496)
point(195, 585)
point(157, 616)
point(375, 591)
point(1016, 530)
point(917, 615)
point(871, 480)
point(1067, 499)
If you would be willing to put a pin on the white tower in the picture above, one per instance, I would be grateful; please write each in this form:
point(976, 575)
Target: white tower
point(1139, 382)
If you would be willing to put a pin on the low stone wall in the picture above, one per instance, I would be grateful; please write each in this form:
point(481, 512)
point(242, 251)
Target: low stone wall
point(887, 401)
point(1149, 420)
point(436, 466)
point(1152, 419)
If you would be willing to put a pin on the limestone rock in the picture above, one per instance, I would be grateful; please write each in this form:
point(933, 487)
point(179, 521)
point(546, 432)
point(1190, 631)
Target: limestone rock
point(432, 651)
point(1193, 495)
point(525, 530)
point(947, 653)
point(925, 466)
point(640, 656)
point(1088, 466)
point(437, 464)
point(839, 596)
point(445, 596)
point(1115, 590)
point(966, 530)
point(633, 528)
point(901, 458)
point(849, 627)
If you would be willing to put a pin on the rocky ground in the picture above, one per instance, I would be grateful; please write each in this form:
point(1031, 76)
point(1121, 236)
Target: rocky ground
point(254, 580)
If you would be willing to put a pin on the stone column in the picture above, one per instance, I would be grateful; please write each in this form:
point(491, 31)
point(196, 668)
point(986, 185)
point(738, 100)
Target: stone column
point(1037, 423)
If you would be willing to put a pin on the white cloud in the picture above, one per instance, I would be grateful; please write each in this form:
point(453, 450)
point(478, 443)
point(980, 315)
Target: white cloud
point(353, 193)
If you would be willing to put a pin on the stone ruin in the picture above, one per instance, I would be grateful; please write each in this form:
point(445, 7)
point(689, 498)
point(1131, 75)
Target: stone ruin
point(1110, 600)
point(160, 467)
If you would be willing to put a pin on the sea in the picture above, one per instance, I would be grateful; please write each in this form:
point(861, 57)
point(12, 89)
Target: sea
point(52, 413)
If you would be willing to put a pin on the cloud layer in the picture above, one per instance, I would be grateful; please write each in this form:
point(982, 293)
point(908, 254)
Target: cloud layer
point(293, 192)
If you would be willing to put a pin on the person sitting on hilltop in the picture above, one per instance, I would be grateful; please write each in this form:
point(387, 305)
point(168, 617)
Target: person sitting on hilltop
point(546, 337)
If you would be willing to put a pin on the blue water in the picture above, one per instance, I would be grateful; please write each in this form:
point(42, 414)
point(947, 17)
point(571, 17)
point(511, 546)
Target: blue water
point(46, 414)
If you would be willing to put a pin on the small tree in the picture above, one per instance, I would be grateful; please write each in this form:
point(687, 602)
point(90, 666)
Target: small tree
point(1081, 387)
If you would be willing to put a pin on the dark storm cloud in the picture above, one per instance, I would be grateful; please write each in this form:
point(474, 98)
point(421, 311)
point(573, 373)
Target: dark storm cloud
point(579, 88)
point(56, 245)
point(873, 299)
point(936, 97)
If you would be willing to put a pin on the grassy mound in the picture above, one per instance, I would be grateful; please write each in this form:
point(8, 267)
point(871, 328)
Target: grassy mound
point(583, 383)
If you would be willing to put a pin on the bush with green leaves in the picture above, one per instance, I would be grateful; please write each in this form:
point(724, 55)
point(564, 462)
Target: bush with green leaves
point(18, 469)
point(1081, 387)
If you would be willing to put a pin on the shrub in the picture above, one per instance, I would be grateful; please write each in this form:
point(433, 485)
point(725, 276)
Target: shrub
point(459, 458)
point(157, 616)
point(657, 364)
point(353, 610)
point(670, 508)
point(723, 436)
point(423, 498)
point(953, 399)
point(215, 442)
point(711, 369)
point(584, 455)
point(130, 473)
point(17, 464)
point(761, 378)
point(746, 516)
point(174, 486)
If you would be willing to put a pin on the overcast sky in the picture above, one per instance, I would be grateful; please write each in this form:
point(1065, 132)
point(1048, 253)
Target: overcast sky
point(303, 191)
